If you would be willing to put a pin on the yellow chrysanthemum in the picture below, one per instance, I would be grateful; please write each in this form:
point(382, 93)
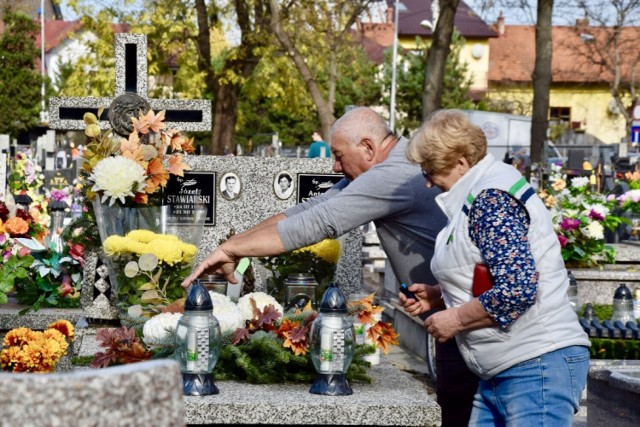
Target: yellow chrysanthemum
point(327, 249)
point(115, 245)
point(189, 252)
point(144, 236)
point(16, 337)
point(139, 248)
point(64, 327)
point(166, 250)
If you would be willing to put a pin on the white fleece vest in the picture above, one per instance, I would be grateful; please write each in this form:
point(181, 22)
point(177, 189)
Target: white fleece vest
point(550, 324)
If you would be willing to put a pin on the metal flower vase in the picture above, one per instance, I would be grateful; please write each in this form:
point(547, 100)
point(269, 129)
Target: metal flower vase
point(148, 253)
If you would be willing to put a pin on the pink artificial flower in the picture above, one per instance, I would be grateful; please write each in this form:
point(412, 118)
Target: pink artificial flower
point(563, 240)
point(593, 214)
point(24, 251)
point(64, 289)
point(59, 195)
point(569, 224)
point(76, 251)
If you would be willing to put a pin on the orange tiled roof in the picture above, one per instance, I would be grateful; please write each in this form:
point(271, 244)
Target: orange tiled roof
point(512, 54)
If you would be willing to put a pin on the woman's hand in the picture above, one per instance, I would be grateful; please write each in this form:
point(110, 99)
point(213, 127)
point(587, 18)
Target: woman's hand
point(429, 297)
point(444, 324)
point(448, 323)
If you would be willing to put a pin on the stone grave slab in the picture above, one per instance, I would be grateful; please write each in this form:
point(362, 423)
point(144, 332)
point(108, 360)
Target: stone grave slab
point(147, 393)
point(393, 398)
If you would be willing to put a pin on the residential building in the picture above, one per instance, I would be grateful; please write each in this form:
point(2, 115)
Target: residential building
point(501, 60)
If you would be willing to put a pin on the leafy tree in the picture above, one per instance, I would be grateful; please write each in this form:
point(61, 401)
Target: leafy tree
point(609, 38)
point(437, 57)
point(410, 78)
point(315, 35)
point(20, 82)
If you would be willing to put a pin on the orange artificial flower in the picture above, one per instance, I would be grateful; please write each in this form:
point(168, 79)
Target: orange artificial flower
point(131, 149)
point(156, 121)
point(177, 166)
point(2, 230)
point(64, 327)
point(141, 198)
point(16, 226)
point(157, 173)
point(383, 335)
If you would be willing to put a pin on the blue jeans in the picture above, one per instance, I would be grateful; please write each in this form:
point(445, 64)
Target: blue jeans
point(544, 391)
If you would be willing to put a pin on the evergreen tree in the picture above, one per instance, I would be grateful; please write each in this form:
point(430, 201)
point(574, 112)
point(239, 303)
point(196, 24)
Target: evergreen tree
point(20, 81)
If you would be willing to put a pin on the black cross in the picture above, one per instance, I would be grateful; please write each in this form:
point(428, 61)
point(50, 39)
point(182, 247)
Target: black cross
point(131, 84)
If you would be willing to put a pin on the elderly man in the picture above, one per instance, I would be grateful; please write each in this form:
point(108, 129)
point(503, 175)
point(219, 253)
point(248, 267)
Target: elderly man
point(382, 186)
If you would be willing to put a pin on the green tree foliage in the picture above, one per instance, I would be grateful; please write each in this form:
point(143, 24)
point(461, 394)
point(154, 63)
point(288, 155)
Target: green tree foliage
point(317, 37)
point(410, 76)
point(275, 98)
point(20, 82)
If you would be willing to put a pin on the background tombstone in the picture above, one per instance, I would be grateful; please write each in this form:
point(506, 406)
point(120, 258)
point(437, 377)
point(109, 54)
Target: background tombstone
point(3, 175)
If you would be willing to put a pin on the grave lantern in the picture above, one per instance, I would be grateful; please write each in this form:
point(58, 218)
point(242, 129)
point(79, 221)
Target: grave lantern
point(58, 213)
point(332, 345)
point(198, 343)
point(622, 305)
point(299, 289)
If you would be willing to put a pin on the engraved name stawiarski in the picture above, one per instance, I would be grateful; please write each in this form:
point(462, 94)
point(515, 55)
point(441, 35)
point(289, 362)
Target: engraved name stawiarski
point(188, 195)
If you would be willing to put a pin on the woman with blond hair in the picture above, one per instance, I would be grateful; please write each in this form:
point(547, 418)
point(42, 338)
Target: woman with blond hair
point(502, 280)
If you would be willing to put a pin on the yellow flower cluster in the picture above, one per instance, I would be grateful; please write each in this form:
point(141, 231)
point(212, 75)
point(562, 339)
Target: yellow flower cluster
point(327, 249)
point(25, 350)
point(167, 247)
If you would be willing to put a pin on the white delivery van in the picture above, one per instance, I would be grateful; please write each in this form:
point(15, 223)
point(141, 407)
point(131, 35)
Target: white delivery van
point(509, 133)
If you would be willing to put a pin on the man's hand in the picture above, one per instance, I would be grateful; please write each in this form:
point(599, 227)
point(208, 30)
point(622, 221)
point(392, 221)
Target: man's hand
point(429, 297)
point(219, 261)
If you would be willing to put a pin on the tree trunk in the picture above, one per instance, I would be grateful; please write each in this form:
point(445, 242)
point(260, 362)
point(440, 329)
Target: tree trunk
point(325, 110)
point(437, 58)
point(541, 80)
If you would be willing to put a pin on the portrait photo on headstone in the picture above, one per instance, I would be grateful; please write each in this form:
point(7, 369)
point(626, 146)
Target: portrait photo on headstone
point(230, 186)
point(283, 185)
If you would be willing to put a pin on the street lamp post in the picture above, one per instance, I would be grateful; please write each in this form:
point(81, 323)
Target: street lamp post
point(42, 49)
point(392, 103)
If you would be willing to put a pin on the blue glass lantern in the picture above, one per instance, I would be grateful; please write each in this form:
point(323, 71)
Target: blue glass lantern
point(332, 345)
point(198, 341)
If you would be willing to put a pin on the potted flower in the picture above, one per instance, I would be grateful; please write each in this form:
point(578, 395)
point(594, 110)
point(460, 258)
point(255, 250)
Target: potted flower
point(124, 178)
point(580, 216)
point(25, 350)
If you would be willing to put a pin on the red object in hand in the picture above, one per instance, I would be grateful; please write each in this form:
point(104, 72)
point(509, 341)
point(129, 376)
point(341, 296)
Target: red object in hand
point(482, 280)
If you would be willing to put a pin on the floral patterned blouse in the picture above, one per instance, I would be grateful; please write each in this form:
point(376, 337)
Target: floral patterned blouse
point(498, 226)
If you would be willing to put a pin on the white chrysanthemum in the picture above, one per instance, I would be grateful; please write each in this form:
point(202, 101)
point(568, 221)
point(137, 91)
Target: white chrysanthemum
point(594, 230)
point(600, 209)
point(262, 300)
point(117, 177)
point(580, 181)
point(160, 328)
point(228, 314)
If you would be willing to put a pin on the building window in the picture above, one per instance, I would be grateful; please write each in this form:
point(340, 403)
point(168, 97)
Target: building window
point(560, 115)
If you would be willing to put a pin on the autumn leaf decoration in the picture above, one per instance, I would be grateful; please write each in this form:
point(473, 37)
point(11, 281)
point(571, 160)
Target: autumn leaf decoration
point(379, 332)
point(147, 146)
point(122, 346)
